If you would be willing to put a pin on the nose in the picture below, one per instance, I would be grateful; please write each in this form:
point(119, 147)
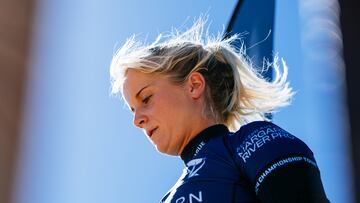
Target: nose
point(139, 119)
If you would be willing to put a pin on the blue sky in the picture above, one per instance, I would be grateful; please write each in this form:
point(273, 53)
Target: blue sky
point(79, 144)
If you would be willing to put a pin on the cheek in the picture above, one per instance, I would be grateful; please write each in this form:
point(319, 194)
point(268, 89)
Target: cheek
point(170, 107)
point(165, 110)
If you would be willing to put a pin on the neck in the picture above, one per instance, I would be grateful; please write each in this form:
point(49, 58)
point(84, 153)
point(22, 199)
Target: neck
point(200, 126)
point(196, 145)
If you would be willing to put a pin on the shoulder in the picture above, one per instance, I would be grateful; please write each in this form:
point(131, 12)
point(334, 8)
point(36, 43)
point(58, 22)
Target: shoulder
point(272, 160)
point(267, 139)
point(261, 144)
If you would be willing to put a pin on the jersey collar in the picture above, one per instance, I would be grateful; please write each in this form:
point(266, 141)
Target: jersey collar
point(202, 138)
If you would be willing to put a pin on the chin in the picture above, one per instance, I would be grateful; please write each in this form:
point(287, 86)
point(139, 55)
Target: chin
point(166, 151)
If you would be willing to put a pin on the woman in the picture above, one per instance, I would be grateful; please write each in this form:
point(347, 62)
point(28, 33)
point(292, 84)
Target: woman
point(196, 97)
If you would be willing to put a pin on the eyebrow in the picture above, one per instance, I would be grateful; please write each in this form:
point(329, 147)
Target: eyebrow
point(139, 92)
point(137, 95)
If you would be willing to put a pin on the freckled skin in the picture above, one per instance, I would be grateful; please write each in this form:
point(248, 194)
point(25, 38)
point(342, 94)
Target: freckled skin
point(175, 111)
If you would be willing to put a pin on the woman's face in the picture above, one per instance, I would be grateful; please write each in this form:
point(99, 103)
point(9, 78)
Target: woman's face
point(170, 115)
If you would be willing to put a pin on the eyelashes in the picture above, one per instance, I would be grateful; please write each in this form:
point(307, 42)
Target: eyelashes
point(146, 99)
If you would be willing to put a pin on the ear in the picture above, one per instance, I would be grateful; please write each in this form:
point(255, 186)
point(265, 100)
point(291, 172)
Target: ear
point(196, 85)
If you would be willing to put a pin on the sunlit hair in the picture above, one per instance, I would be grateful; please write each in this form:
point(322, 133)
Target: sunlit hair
point(236, 93)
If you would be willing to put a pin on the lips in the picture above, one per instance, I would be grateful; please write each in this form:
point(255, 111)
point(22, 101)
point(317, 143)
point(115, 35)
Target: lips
point(151, 132)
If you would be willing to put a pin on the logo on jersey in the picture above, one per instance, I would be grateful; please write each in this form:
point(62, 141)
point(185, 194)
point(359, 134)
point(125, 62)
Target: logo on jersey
point(259, 138)
point(191, 198)
point(199, 147)
point(194, 166)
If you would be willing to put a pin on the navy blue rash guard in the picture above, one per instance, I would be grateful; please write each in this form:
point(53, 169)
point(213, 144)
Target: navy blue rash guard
point(259, 163)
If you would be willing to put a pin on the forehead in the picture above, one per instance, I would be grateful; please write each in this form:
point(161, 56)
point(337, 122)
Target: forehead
point(135, 81)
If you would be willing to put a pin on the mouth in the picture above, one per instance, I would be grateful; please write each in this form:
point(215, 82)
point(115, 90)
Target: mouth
point(151, 132)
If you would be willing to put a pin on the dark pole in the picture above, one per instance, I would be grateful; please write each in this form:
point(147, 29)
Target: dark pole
point(349, 16)
point(15, 26)
point(257, 24)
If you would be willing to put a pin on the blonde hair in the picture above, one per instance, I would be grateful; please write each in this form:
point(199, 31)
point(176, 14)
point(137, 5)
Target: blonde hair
point(236, 93)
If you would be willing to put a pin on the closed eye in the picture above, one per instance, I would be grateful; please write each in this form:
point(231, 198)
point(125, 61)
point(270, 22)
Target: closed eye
point(146, 99)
